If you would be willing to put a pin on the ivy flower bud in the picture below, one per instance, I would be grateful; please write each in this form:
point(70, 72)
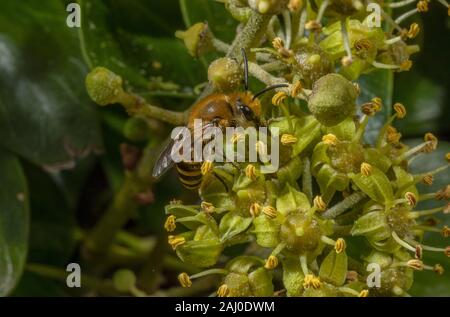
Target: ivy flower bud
point(207, 167)
point(319, 203)
point(255, 210)
point(400, 110)
point(270, 212)
point(176, 241)
point(184, 280)
point(288, 139)
point(332, 99)
point(223, 291)
point(340, 245)
point(312, 63)
point(225, 74)
point(411, 198)
point(268, 7)
point(170, 224)
point(103, 86)
point(197, 39)
point(250, 172)
point(271, 262)
point(279, 98)
point(366, 169)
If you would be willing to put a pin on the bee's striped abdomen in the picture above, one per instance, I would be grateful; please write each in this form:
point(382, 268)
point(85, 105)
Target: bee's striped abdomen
point(190, 174)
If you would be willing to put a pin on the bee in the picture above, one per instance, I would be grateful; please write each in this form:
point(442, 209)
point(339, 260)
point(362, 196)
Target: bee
point(237, 109)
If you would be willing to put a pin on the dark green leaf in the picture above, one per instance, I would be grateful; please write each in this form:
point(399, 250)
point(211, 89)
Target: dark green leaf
point(45, 113)
point(14, 221)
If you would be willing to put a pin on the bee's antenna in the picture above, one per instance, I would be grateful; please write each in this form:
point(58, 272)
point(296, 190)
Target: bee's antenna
point(244, 55)
point(269, 89)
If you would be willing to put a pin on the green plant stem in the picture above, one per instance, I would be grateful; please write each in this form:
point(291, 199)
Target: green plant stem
point(136, 105)
point(103, 286)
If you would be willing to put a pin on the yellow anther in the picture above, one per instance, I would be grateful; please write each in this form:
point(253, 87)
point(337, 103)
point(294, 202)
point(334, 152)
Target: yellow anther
point(446, 209)
point(428, 179)
point(422, 6)
point(447, 251)
point(255, 210)
point(207, 167)
point(393, 137)
point(438, 269)
point(446, 232)
point(236, 137)
point(330, 139)
point(447, 157)
point(340, 245)
point(175, 202)
point(413, 31)
point(278, 43)
point(366, 169)
point(295, 5)
point(296, 89)
point(411, 198)
point(363, 45)
point(261, 148)
point(170, 224)
point(176, 241)
point(279, 98)
point(406, 65)
point(400, 110)
point(250, 172)
point(313, 25)
point(444, 193)
point(419, 252)
point(363, 293)
point(415, 264)
point(357, 88)
point(271, 262)
point(207, 207)
point(311, 281)
point(319, 203)
point(369, 109)
point(184, 280)
point(378, 102)
point(288, 139)
point(270, 212)
point(223, 291)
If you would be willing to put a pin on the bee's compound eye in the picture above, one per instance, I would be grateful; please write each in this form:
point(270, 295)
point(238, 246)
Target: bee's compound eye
point(247, 112)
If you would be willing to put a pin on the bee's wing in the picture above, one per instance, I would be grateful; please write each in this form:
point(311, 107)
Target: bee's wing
point(164, 162)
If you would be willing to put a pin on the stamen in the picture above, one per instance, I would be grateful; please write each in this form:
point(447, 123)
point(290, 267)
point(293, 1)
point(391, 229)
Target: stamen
point(270, 212)
point(271, 262)
point(223, 291)
point(411, 198)
point(207, 167)
point(363, 293)
point(279, 98)
point(399, 4)
point(419, 252)
point(347, 60)
point(255, 210)
point(403, 243)
point(438, 269)
point(340, 245)
point(328, 241)
point(319, 203)
point(207, 207)
point(443, 194)
point(422, 6)
point(297, 88)
point(428, 212)
point(384, 66)
point(176, 241)
point(330, 139)
point(400, 110)
point(184, 280)
point(415, 264)
point(413, 31)
point(170, 224)
point(322, 9)
point(393, 40)
point(446, 232)
point(313, 26)
point(366, 169)
point(406, 65)
point(406, 15)
point(311, 281)
point(288, 139)
point(304, 264)
point(250, 172)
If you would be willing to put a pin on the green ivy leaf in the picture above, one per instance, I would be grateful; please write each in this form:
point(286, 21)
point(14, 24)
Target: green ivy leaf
point(14, 222)
point(45, 113)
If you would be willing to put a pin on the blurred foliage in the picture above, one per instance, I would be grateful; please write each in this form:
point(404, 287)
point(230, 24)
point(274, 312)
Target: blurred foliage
point(50, 174)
